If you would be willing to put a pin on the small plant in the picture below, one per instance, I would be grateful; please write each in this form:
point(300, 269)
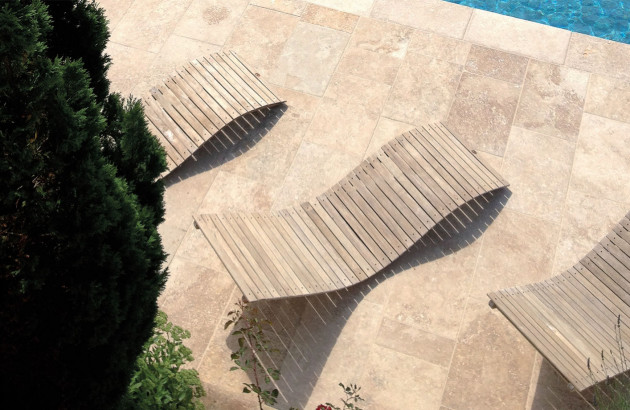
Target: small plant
point(252, 341)
point(159, 381)
point(349, 402)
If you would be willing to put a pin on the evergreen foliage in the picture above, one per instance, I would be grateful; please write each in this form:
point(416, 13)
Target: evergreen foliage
point(80, 257)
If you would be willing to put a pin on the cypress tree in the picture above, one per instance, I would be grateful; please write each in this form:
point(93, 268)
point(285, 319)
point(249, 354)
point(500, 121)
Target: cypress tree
point(80, 256)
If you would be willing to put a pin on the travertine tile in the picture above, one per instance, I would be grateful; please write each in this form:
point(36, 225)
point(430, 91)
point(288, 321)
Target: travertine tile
point(423, 90)
point(602, 158)
point(608, 97)
point(482, 112)
point(492, 364)
point(385, 131)
point(438, 46)
point(260, 38)
point(445, 280)
point(114, 11)
point(376, 50)
point(597, 55)
point(587, 219)
point(517, 249)
point(552, 100)
point(314, 170)
point(518, 36)
point(171, 236)
point(538, 168)
point(295, 7)
point(126, 72)
point(194, 247)
point(309, 58)
point(348, 114)
point(211, 21)
point(415, 342)
point(194, 299)
point(147, 24)
point(324, 16)
point(234, 193)
point(431, 15)
point(360, 7)
point(496, 64)
point(176, 52)
point(401, 386)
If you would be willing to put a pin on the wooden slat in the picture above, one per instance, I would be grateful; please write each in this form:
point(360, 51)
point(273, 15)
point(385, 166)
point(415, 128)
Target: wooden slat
point(325, 251)
point(189, 76)
point(279, 263)
point(171, 153)
point(168, 128)
point(252, 89)
point(230, 77)
point(254, 80)
point(219, 93)
point(193, 129)
point(221, 246)
point(209, 127)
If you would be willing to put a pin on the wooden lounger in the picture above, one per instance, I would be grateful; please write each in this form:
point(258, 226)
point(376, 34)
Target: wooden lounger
point(200, 99)
point(574, 317)
point(356, 228)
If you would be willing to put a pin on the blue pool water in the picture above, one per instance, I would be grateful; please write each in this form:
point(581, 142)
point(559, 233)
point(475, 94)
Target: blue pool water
point(608, 19)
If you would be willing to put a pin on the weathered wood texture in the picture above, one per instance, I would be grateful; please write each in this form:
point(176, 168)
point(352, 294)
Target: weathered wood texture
point(573, 317)
point(359, 226)
point(202, 98)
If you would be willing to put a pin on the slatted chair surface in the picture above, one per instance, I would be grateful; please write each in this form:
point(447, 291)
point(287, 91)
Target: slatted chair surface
point(571, 318)
point(200, 99)
point(359, 226)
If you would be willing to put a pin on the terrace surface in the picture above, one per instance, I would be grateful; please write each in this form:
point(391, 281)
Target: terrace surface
point(548, 108)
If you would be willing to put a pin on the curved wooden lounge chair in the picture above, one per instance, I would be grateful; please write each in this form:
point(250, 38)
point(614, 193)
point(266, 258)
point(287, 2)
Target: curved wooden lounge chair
point(200, 99)
point(574, 317)
point(356, 228)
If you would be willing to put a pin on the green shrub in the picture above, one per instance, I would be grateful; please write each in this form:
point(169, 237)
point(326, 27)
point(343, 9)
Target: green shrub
point(160, 382)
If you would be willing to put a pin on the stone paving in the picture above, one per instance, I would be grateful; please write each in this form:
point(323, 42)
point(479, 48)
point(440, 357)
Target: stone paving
point(550, 109)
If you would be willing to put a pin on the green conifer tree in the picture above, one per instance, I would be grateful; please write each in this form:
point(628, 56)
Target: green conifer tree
point(80, 257)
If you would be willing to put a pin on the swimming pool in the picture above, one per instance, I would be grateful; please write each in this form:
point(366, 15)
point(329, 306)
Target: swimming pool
point(608, 19)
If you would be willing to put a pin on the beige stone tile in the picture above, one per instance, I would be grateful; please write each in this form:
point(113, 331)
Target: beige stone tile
point(517, 249)
point(415, 342)
point(148, 23)
point(444, 276)
point(128, 67)
point(597, 55)
point(171, 236)
point(309, 58)
point(186, 187)
point(114, 11)
point(423, 90)
point(295, 7)
point(195, 248)
point(360, 7)
point(438, 46)
point(194, 299)
point(217, 398)
point(394, 380)
point(587, 219)
point(234, 193)
point(376, 50)
point(608, 97)
point(552, 100)
point(492, 364)
point(260, 38)
point(496, 64)
point(385, 131)
point(482, 112)
point(602, 155)
point(324, 16)
point(348, 114)
point(314, 170)
point(431, 15)
point(176, 52)
point(538, 168)
point(211, 21)
point(518, 36)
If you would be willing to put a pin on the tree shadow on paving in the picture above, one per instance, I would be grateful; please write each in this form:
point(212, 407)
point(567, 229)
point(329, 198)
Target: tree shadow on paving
point(233, 140)
point(306, 329)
